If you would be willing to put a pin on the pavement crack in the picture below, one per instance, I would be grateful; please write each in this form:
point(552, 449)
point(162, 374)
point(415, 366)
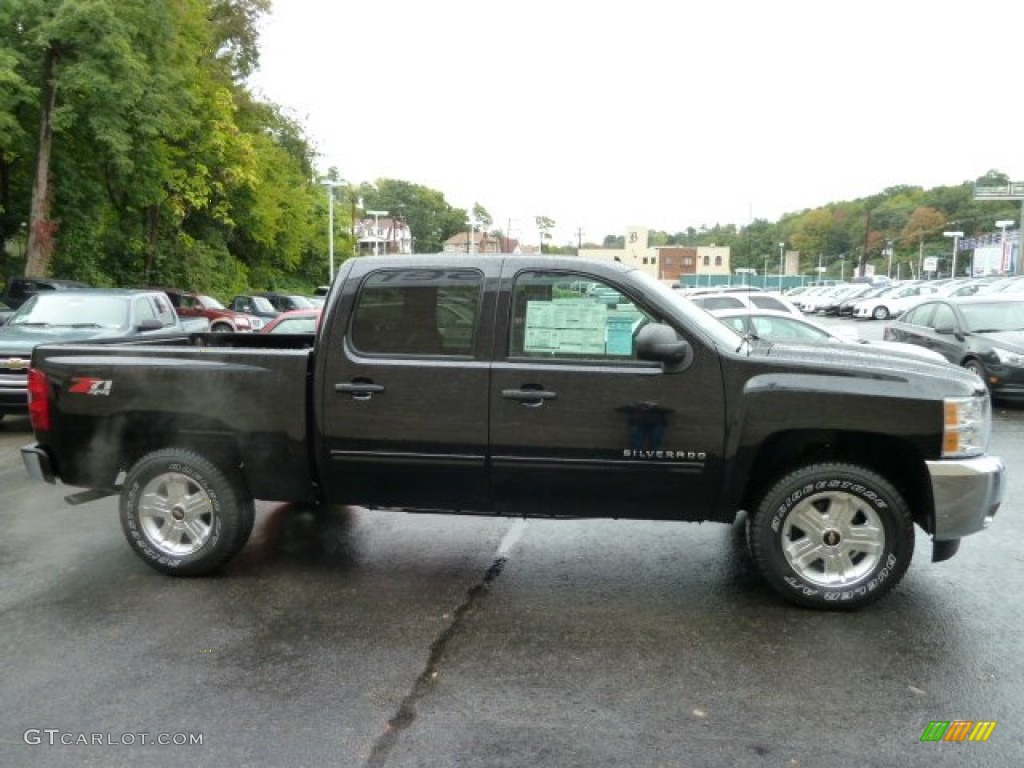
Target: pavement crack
point(406, 714)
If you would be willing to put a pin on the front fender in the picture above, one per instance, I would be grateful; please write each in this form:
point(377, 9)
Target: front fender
point(782, 418)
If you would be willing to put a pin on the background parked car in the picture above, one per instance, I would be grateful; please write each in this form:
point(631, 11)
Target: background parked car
point(259, 306)
point(285, 302)
point(18, 290)
point(830, 303)
point(983, 332)
point(91, 313)
point(744, 300)
point(698, 290)
point(295, 321)
point(892, 302)
point(222, 319)
point(784, 326)
point(846, 305)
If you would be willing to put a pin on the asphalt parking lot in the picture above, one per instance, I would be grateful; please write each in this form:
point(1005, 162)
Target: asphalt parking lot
point(359, 638)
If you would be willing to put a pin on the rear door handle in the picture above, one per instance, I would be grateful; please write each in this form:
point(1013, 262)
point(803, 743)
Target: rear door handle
point(530, 397)
point(359, 390)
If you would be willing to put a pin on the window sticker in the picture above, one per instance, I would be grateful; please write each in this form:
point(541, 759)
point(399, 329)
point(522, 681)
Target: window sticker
point(566, 326)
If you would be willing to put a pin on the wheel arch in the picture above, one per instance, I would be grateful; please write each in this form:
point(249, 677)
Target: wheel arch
point(899, 461)
point(107, 447)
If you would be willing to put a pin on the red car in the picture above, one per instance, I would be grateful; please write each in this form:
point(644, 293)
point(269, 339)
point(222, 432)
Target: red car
point(222, 319)
point(294, 321)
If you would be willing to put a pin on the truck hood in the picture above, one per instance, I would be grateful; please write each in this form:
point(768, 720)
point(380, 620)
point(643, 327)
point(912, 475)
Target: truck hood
point(869, 356)
point(868, 361)
point(21, 340)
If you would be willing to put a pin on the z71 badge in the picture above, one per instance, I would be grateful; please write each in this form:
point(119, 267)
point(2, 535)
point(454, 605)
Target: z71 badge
point(86, 386)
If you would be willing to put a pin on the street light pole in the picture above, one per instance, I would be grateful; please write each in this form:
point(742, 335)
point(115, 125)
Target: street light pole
point(782, 247)
point(330, 184)
point(1004, 261)
point(376, 227)
point(956, 240)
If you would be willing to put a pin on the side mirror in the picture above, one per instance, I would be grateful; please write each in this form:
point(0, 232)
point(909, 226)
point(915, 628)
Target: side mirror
point(150, 324)
point(660, 342)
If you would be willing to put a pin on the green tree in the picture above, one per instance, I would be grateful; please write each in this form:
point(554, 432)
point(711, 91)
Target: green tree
point(430, 217)
point(924, 223)
point(481, 217)
point(544, 227)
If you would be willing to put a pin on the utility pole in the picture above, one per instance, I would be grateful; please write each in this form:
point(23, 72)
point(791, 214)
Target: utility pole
point(862, 268)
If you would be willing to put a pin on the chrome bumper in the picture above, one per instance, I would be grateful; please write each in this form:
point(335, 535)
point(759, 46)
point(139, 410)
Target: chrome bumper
point(967, 494)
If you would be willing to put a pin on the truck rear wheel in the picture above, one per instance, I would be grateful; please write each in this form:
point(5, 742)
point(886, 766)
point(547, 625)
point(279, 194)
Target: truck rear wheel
point(834, 536)
point(183, 514)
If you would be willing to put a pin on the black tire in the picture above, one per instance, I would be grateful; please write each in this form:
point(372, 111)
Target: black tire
point(880, 313)
point(222, 328)
point(184, 515)
point(832, 536)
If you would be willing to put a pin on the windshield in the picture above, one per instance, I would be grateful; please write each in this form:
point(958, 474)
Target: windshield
point(261, 304)
point(208, 302)
point(719, 332)
point(70, 309)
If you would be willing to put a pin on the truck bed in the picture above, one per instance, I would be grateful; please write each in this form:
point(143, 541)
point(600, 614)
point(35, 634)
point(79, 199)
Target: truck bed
point(241, 394)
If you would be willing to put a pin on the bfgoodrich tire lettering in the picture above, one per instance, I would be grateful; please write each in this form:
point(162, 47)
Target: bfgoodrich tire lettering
point(182, 514)
point(833, 536)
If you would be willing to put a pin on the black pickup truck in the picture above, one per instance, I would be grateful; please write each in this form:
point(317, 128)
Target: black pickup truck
point(533, 386)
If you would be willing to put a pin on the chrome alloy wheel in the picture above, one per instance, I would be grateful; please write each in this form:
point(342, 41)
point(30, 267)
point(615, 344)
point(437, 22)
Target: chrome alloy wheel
point(175, 514)
point(833, 539)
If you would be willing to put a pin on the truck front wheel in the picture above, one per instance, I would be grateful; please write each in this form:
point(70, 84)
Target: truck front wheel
point(832, 536)
point(183, 514)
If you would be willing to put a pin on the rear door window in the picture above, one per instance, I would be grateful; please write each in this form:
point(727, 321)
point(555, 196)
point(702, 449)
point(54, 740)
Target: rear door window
point(719, 302)
point(768, 302)
point(418, 312)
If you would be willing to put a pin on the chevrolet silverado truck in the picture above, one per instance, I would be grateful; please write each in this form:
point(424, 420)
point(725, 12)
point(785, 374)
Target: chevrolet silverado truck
point(526, 386)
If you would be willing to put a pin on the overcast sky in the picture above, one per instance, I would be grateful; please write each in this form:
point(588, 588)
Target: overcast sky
point(605, 114)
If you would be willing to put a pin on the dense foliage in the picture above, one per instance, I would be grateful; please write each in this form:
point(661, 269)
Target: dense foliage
point(893, 230)
point(132, 152)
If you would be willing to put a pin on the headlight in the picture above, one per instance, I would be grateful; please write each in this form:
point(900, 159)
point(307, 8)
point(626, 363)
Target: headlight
point(1009, 358)
point(967, 424)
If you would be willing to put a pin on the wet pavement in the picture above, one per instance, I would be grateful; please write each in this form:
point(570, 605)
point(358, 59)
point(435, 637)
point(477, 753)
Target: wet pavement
point(361, 638)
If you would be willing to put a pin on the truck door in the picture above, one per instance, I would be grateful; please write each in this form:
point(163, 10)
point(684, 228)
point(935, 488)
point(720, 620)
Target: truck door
point(579, 425)
point(404, 390)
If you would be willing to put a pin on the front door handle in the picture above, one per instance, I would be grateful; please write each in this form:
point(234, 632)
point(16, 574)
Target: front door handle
point(529, 397)
point(360, 390)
